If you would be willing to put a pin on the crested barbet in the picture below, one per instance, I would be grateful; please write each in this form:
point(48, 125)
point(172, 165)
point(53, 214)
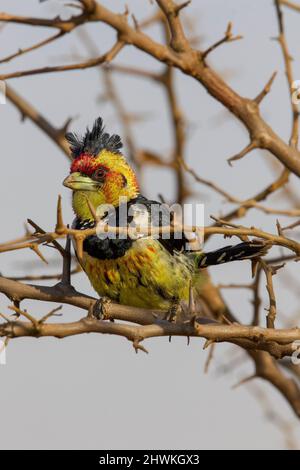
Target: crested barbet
point(156, 272)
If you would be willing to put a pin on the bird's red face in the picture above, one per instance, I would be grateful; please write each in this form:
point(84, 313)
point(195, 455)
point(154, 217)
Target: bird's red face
point(99, 174)
point(88, 173)
point(86, 164)
point(102, 179)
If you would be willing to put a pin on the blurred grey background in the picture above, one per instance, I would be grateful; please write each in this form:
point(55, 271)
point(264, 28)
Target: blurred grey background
point(93, 391)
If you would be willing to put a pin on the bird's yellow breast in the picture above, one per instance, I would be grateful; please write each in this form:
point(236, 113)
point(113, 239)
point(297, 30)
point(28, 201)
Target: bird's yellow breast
point(146, 276)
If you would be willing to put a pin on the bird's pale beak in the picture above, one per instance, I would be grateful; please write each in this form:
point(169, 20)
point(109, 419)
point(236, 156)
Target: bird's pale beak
point(78, 182)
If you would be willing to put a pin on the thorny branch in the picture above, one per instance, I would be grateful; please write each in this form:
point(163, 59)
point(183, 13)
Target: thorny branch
point(183, 56)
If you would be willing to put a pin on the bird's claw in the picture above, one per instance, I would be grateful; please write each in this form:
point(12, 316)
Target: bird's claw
point(98, 309)
point(172, 313)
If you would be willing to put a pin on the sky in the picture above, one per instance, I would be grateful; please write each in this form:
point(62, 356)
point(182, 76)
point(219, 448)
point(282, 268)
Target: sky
point(93, 391)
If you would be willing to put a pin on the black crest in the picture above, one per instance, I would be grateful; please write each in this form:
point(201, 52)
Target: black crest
point(94, 141)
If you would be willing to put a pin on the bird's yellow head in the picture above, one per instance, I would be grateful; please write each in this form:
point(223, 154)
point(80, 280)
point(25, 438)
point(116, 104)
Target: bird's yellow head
point(99, 172)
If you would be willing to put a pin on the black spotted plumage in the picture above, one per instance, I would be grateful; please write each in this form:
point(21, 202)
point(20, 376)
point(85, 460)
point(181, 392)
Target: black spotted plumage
point(107, 248)
point(171, 243)
point(113, 248)
point(102, 248)
point(244, 250)
point(94, 141)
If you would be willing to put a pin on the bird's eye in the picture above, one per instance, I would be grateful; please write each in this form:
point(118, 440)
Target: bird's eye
point(99, 174)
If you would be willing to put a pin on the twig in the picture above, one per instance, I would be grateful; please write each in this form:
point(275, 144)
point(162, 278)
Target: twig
point(289, 73)
point(290, 4)
point(107, 57)
point(209, 358)
point(269, 272)
point(228, 37)
point(266, 89)
point(253, 145)
point(32, 48)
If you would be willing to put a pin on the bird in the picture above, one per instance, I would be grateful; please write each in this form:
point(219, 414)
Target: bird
point(145, 271)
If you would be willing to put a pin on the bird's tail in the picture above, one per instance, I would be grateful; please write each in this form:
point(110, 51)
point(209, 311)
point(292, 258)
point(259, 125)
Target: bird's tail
point(245, 250)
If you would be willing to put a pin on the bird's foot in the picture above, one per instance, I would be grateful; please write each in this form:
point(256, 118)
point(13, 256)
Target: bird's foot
point(98, 309)
point(172, 313)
